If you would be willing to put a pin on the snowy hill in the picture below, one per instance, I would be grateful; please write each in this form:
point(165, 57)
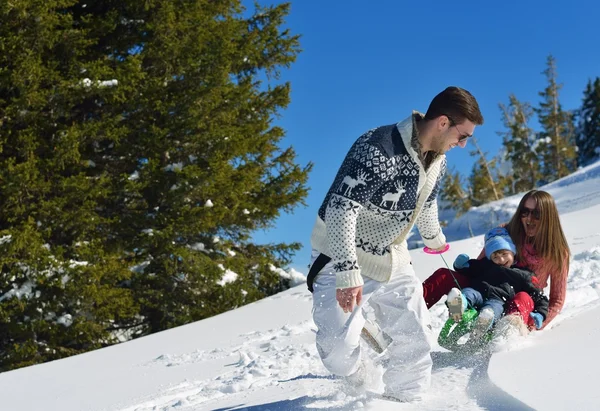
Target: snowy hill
point(262, 356)
point(574, 192)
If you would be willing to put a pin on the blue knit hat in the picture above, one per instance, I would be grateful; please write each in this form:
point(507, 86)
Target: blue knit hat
point(498, 239)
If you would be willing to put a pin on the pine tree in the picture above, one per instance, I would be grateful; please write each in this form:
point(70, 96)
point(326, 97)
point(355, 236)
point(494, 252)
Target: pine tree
point(588, 131)
point(556, 142)
point(519, 142)
point(61, 281)
point(138, 156)
point(453, 194)
point(484, 182)
point(480, 190)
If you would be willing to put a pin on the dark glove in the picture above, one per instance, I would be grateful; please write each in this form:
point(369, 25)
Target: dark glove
point(462, 261)
point(537, 319)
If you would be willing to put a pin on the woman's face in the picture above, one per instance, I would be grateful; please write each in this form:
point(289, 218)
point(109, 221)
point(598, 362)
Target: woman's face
point(530, 217)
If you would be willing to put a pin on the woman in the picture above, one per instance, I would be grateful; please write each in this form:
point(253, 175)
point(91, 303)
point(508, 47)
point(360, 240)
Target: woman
point(541, 246)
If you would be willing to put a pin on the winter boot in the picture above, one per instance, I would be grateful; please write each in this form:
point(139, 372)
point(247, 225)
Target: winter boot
point(362, 379)
point(511, 325)
point(482, 325)
point(375, 337)
point(457, 304)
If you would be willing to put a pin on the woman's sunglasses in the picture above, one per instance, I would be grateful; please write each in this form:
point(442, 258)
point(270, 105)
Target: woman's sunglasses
point(535, 213)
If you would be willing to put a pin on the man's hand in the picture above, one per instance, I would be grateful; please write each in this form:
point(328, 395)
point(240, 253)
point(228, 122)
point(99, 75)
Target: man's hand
point(442, 248)
point(349, 297)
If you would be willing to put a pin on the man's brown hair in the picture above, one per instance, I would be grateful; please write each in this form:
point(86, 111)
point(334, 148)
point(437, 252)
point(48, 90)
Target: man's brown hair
point(457, 104)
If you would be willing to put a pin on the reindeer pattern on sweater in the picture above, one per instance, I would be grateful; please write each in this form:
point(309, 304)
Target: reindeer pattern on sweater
point(374, 196)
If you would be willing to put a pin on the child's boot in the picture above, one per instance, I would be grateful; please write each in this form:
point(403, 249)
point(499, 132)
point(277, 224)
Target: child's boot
point(510, 325)
point(457, 304)
point(483, 324)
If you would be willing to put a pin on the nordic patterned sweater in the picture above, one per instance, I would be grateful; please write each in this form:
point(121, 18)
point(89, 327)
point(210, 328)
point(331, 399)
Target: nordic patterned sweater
point(379, 192)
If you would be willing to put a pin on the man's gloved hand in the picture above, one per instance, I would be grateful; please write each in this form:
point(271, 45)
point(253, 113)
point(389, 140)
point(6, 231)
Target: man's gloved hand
point(537, 319)
point(462, 261)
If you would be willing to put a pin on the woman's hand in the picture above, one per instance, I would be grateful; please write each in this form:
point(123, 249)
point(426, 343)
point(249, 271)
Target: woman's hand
point(538, 320)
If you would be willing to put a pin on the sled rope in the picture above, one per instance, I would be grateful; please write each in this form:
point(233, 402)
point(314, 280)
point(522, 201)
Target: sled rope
point(451, 273)
point(455, 280)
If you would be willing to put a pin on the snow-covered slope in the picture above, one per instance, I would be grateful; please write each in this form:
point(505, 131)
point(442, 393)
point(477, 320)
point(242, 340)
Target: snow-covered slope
point(262, 356)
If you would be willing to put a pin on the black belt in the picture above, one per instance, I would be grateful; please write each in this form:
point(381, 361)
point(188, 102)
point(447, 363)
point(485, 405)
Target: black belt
point(317, 266)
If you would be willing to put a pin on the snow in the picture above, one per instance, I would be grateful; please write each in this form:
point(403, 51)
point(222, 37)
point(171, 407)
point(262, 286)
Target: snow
point(262, 356)
point(86, 82)
point(293, 275)
point(198, 247)
point(174, 167)
point(571, 193)
point(108, 83)
point(139, 268)
point(575, 343)
point(23, 291)
point(228, 276)
point(65, 319)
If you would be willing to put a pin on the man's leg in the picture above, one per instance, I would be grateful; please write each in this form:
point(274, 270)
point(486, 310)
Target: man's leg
point(338, 333)
point(440, 283)
point(402, 313)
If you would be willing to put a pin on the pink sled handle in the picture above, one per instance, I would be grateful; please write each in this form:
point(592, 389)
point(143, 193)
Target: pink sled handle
point(428, 250)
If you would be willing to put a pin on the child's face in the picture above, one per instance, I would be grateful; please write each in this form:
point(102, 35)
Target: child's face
point(503, 257)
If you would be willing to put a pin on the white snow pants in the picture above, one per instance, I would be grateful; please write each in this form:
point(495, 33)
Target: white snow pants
point(400, 311)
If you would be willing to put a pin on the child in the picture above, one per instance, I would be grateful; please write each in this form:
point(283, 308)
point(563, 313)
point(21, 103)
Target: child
point(494, 281)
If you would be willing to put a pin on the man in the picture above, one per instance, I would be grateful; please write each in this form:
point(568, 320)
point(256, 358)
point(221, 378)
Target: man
point(388, 181)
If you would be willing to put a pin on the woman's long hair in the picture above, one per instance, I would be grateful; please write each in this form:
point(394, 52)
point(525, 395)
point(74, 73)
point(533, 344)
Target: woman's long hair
point(549, 242)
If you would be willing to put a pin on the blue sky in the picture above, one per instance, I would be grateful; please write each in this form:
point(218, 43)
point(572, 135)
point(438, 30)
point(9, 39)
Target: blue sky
point(366, 64)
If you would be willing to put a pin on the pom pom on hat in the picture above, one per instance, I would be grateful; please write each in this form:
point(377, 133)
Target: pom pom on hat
point(498, 239)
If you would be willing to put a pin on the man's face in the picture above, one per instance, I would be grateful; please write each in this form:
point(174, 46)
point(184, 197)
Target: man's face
point(452, 135)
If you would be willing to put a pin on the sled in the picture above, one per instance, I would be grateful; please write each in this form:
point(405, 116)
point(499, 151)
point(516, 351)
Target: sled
point(453, 331)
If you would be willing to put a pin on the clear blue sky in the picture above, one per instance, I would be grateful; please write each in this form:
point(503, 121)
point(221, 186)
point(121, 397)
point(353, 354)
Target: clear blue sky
point(366, 64)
